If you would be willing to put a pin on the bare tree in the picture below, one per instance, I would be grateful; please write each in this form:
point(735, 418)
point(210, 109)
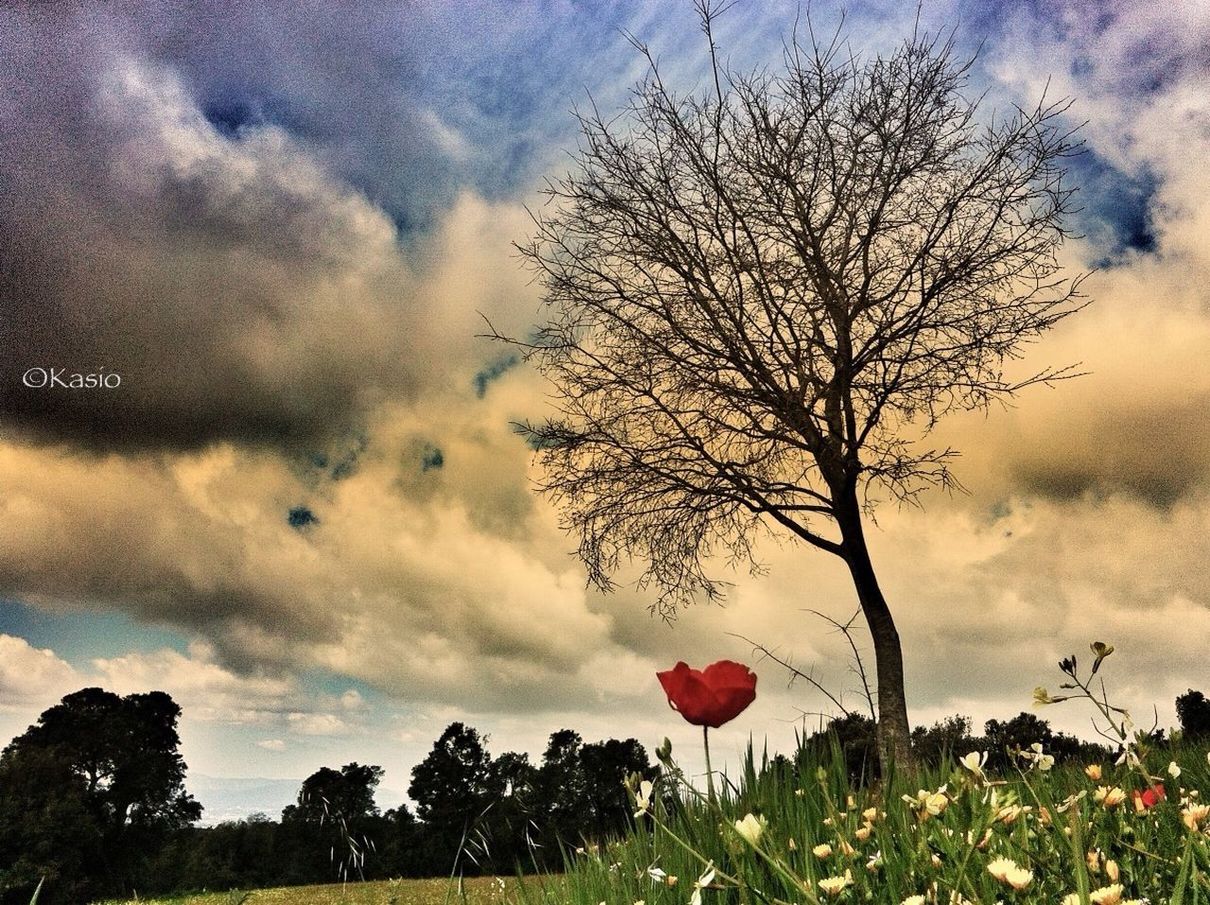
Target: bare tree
point(762, 298)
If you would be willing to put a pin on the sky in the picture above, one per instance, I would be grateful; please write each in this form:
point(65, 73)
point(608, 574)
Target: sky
point(303, 512)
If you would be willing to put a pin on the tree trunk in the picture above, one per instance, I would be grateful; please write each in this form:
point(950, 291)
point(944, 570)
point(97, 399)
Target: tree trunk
point(894, 731)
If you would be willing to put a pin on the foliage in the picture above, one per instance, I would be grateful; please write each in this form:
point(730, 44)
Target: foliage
point(335, 810)
point(1193, 710)
point(89, 794)
point(454, 787)
point(344, 794)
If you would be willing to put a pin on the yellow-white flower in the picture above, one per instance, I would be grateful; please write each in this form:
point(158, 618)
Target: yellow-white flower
point(1174, 769)
point(928, 804)
point(1000, 868)
point(974, 763)
point(1106, 895)
point(1010, 812)
point(1008, 872)
point(1108, 796)
point(642, 798)
point(834, 886)
point(751, 828)
point(821, 851)
point(701, 883)
point(1039, 759)
point(913, 900)
point(1194, 815)
point(1102, 650)
point(1093, 772)
point(1020, 878)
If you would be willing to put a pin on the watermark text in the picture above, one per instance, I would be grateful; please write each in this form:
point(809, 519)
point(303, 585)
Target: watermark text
point(61, 378)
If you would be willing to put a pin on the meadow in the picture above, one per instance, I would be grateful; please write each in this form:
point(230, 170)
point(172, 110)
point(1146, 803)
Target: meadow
point(1021, 825)
point(471, 891)
point(800, 830)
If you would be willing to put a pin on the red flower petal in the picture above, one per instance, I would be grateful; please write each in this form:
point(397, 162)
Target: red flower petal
point(712, 696)
point(1153, 796)
point(734, 687)
point(688, 694)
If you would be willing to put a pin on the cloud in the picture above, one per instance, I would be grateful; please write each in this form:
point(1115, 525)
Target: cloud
point(309, 466)
point(237, 290)
point(205, 689)
point(29, 675)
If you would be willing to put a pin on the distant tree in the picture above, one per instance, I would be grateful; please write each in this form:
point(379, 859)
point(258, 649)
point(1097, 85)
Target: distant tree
point(563, 789)
point(338, 806)
point(89, 793)
point(403, 853)
point(231, 855)
point(514, 821)
point(855, 738)
point(950, 737)
point(1193, 710)
point(604, 766)
point(764, 296)
point(453, 788)
point(1004, 737)
point(334, 795)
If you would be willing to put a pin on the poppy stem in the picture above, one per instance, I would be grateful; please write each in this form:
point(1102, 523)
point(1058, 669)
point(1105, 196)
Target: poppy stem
point(709, 772)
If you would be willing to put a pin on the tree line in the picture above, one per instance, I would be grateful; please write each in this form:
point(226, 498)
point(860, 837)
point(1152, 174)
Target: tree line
point(93, 802)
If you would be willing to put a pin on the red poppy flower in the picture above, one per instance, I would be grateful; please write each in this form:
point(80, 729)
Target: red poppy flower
point(712, 696)
point(1149, 798)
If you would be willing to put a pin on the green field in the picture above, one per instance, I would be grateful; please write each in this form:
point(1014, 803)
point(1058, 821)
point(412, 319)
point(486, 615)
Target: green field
point(474, 891)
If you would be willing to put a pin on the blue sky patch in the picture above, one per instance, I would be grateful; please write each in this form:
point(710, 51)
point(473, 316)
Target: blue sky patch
point(81, 637)
point(300, 517)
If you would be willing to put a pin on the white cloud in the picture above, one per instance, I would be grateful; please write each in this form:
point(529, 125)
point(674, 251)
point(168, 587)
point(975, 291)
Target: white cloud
point(324, 724)
point(30, 676)
point(208, 691)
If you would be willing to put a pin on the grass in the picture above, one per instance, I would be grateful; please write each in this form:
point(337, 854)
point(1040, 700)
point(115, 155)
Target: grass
point(474, 891)
point(802, 834)
point(1038, 836)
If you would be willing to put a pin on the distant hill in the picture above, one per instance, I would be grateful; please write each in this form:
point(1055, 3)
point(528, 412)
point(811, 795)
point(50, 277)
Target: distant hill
point(237, 797)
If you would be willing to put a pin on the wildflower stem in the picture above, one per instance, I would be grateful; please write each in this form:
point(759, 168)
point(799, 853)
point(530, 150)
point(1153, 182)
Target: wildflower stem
point(735, 881)
point(709, 772)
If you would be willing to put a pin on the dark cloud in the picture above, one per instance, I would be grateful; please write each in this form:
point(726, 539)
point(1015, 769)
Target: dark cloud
point(238, 291)
point(1157, 454)
point(205, 200)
